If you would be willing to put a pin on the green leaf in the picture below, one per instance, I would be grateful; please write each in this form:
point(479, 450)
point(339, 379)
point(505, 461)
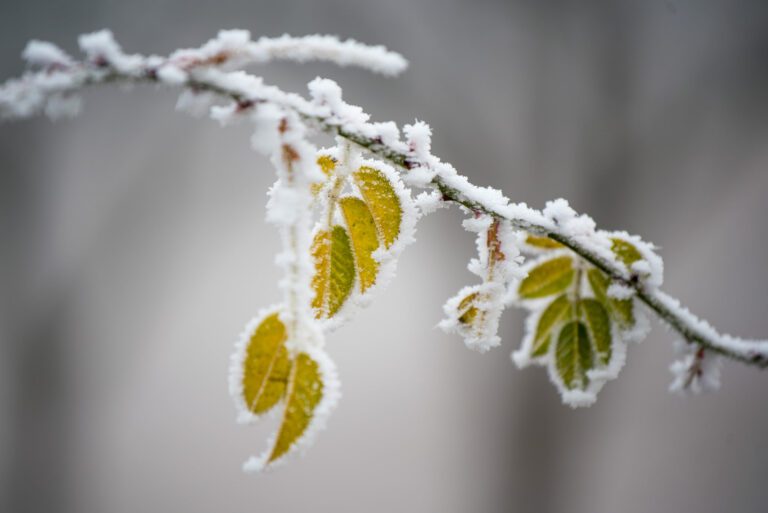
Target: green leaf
point(599, 325)
point(542, 242)
point(305, 390)
point(265, 366)
point(551, 277)
point(382, 201)
point(362, 231)
point(334, 270)
point(573, 355)
point(557, 311)
point(625, 251)
point(621, 309)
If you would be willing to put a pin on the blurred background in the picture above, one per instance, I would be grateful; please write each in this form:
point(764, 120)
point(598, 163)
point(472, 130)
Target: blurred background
point(134, 249)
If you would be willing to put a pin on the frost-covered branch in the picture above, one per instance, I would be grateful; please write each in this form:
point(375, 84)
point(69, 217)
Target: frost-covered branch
point(201, 70)
point(584, 287)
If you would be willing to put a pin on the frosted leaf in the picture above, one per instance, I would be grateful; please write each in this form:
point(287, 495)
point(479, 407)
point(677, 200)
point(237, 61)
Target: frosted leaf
point(312, 393)
point(536, 244)
point(364, 236)
point(334, 274)
point(259, 366)
point(598, 324)
point(547, 276)
point(474, 312)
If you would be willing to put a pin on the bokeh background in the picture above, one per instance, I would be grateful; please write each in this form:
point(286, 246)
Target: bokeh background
point(134, 249)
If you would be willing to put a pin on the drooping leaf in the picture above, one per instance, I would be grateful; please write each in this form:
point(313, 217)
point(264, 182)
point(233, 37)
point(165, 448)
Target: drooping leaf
point(599, 325)
point(539, 242)
point(467, 309)
point(305, 390)
point(334, 270)
point(265, 366)
point(625, 251)
point(573, 355)
point(551, 277)
point(620, 309)
point(362, 231)
point(558, 310)
point(382, 200)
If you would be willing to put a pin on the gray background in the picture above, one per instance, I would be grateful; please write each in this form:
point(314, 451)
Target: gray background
point(134, 249)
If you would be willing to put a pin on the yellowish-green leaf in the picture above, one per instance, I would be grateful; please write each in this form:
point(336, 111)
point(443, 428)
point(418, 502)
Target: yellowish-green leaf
point(620, 309)
point(382, 201)
point(551, 277)
point(305, 390)
point(467, 310)
point(362, 231)
point(327, 165)
point(321, 255)
point(265, 366)
point(573, 355)
point(625, 251)
point(558, 310)
point(542, 242)
point(599, 325)
point(334, 270)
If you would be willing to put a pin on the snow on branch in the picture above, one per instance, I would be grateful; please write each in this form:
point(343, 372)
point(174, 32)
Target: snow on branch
point(236, 47)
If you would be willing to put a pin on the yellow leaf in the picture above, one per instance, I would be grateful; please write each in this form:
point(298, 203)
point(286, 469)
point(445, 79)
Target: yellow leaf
point(467, 309)
point(382, 201)
point(327, 165)
point(334, 270)
point(542, 242)
point(362, 231)
point(321, 255)
point(305, 390)
point(265, 366)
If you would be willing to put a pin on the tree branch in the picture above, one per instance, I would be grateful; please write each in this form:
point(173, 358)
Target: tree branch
point(200, 72)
